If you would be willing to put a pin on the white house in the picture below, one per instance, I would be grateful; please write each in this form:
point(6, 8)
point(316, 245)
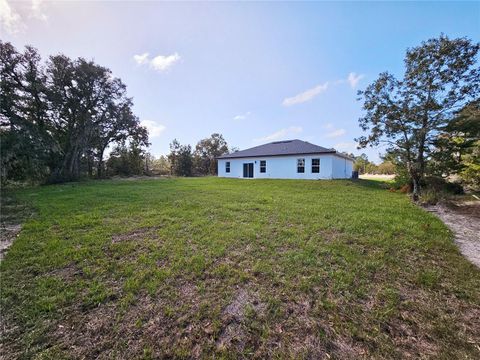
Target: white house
point(289, 159)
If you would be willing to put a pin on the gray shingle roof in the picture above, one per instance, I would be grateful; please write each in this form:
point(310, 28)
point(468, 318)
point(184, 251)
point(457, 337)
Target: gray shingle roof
point(278, 148)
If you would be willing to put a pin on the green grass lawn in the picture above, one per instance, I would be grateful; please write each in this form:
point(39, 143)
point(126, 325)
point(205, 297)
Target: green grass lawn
point(233, 268)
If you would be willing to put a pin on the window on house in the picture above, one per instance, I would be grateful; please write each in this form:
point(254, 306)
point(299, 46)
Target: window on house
point(227, 166)
point(300, 165)
point(315, 166)
point(263, 166)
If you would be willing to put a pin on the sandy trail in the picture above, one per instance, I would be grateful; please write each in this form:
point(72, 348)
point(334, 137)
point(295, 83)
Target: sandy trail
point(464, 221)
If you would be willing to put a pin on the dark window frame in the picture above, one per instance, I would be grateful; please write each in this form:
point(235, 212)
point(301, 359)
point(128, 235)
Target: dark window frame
point(316, 167)
point(263, 166)
point(227, 166)
point(301, 168)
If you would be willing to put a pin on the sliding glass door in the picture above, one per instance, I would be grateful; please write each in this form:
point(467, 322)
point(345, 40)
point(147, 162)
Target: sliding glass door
point(248, 170)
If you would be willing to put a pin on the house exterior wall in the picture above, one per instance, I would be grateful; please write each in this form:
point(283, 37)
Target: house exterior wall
point(285, 167)
point(342, 168)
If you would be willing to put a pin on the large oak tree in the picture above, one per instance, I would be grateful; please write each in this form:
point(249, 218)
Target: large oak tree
point(58, 115)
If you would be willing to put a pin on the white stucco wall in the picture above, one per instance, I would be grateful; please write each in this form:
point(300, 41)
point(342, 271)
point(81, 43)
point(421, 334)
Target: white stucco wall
point(342, 168)
point(285, 167)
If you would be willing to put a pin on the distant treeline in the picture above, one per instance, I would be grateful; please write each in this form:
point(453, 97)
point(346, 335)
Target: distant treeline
point(183, 160)
point(364, 166)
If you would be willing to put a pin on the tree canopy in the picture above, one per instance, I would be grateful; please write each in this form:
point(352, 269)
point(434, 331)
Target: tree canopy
point(58, 117)
point(441, 76)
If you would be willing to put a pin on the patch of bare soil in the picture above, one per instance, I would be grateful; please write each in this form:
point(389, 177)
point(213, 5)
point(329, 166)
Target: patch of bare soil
point(8, 234)
point(234, 334)
point(136, 235)
point(12, 215)
point(464, 220)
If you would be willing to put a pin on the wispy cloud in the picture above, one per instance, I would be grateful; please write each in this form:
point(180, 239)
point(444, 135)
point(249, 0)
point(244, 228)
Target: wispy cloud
point(37, 10)
point(163, 63)
point(333, 132)
point(306, 95)
point(242, 116)
point(353, 79)
point(10, 20)
point(14, 14)
point(159, 63)
point(141, 59)
point(336, 133)
point(346, 146)
point(154, 129)
point(280, 134)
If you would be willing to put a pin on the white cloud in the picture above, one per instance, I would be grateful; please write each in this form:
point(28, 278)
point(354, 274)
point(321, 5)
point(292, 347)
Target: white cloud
point(160, 62)
point(141, 59)
point(10, 21)
point(336, 133)
point(14, 14)
point(306, 95)
point(346, 146)
point(37, 10)
point(153, 128)
point(242, 116)
point(280, 134)
point(353, 79)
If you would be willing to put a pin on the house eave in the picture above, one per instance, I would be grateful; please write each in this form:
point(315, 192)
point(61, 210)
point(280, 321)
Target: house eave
point(274, 155)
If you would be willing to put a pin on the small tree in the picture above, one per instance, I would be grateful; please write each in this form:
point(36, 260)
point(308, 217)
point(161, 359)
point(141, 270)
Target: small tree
point(361, 163)
point(457, 148)
point(441, 76)
point(181, 159)
point(206, 152)
point(127, 160)
point(161, 166)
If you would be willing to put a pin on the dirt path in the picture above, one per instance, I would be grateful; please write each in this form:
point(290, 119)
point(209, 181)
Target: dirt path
point(464, 220)
point(12, 215)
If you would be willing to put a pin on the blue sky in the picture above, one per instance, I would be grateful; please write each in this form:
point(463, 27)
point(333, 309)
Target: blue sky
point(254, 72)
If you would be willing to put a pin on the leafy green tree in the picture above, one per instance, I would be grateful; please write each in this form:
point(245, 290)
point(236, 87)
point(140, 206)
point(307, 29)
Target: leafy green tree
point(386, 168)
point(441, 76)
point(161, 166)
point(127, 160)
point(206, 152)
point(173, 156)
point(361, 163)
point(181, 159)
point(59, 118)
point(26, 141)
point(457, 147)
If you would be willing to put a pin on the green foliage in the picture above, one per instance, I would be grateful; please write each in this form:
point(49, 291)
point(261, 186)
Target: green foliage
point(181, 159)
point(160, 166)
point(440, 76)
point(457, 147)
point(126, 161)
point(363, 166)
point(470, 173)
point(206, 152)
point(57, 118)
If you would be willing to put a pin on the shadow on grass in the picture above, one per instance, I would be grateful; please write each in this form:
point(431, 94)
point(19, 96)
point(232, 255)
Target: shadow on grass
point(373, 184)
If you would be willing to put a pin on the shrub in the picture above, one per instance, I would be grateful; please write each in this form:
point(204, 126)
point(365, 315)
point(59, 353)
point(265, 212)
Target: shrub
point(430, 197)
point(439, 184)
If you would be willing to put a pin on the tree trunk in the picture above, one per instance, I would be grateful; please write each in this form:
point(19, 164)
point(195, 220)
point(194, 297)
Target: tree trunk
point(416, 188)
point(100, 164)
